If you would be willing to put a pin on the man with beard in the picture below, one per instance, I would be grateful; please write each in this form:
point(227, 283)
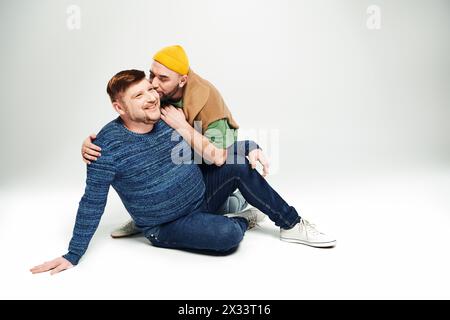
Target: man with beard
point(178, 85)
point(166, 199)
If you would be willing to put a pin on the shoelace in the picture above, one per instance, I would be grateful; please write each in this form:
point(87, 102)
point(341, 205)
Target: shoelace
point(252, 221)
point(309, 226)
point(251, 217)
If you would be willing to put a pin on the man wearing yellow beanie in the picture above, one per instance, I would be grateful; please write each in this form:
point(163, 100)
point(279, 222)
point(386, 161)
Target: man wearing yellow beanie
point(178, 85)
point(174, 58)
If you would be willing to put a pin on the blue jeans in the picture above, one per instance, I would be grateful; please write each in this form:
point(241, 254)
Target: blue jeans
point(205, 231)
point(200, 231)
point(222, 181)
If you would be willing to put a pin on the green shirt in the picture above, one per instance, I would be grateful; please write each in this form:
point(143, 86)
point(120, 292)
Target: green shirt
point(219, 132)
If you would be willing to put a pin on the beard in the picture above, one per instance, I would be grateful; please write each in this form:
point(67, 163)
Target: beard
point(168, 98)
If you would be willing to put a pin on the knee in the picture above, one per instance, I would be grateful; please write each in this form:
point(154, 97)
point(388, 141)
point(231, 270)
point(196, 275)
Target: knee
point(228, 237)
point(242, 168)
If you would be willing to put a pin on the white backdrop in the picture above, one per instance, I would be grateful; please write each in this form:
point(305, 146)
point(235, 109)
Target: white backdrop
point(338, 93)
point(340, 98)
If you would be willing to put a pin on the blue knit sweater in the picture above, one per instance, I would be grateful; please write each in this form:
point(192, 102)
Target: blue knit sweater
point(153, 188)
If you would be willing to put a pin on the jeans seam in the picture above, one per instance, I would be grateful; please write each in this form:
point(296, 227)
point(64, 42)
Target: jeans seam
point(220, 187)
point(169, 243)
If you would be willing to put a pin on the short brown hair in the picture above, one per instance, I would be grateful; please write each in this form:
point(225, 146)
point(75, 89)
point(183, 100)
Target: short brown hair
point(122, 81)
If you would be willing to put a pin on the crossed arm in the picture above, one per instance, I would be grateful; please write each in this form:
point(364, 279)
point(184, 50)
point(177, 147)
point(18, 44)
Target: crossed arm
point(176, 119)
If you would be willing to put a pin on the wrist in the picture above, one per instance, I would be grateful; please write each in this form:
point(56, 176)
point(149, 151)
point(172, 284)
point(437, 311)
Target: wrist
point(184, 125)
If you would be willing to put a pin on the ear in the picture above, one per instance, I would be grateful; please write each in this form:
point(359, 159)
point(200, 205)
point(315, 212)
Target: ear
point(118, 107)
point(183, 81)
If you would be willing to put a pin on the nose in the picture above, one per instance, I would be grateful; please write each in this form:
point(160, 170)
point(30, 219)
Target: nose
point(151, 97)
point(155, 82)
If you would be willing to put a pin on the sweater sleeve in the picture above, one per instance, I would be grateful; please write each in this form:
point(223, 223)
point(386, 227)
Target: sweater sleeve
point(100, 175)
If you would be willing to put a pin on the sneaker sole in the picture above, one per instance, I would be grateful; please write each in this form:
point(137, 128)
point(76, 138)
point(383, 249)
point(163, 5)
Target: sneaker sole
point(315, 245)
point(123, 235)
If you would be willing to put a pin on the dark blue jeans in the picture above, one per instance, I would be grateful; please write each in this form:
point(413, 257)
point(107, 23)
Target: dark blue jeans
point(209, 232)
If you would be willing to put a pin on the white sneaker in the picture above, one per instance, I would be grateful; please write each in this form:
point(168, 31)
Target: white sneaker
point(253, 216)
point(306, 233)
point(126, 230)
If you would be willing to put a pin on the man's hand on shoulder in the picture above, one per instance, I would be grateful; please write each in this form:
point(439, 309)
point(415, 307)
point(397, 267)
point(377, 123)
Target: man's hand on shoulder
point(174, 117)
point(89, 151)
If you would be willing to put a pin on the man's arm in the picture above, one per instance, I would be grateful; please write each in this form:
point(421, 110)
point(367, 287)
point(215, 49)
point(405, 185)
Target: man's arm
point(177, 120)
point(100, 175)
point(218, 133)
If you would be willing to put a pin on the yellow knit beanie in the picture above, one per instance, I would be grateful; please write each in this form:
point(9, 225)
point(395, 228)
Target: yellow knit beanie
point(174, 58)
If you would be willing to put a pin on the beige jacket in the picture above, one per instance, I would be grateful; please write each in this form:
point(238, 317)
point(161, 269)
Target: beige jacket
point(203, 102)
